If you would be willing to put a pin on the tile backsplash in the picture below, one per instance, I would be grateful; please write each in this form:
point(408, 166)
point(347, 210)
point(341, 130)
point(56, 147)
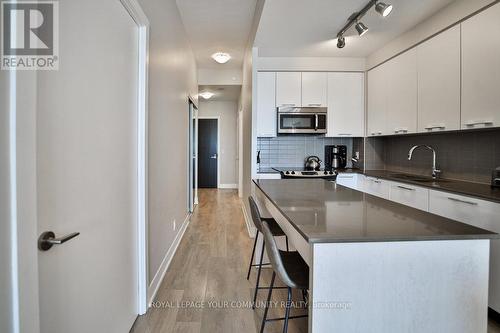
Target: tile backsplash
point(291, 151)
point(469, 156)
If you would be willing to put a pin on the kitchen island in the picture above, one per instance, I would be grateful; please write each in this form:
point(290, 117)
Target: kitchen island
point(379, 266)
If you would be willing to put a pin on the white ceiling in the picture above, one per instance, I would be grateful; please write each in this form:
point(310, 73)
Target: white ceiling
point(217, 25)
point(222, 93)
point(300, 28)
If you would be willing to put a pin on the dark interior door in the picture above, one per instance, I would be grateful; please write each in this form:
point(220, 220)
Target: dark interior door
point(207, 153)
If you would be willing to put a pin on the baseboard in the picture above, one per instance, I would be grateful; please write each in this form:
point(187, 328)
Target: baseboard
point(251, 229)
point(231, 186)
point(160, 274)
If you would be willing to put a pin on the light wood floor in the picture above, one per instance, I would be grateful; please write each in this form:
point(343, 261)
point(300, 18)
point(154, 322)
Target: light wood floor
point(208, 269)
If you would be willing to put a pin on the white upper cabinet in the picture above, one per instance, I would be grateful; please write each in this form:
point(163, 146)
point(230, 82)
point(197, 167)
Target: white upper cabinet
point(481, 69)
point(438, 68)
point(288, 89)
point(314, 89)
point(266, 104)
point(346, 104)
point(402, 93)
point(377, 101)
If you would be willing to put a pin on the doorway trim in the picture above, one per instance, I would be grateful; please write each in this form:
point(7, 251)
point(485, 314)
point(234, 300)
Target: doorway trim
point(218, 145)
point(135, 11)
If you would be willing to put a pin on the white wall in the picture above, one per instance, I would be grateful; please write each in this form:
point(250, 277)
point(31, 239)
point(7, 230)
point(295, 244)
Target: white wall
point(219, 76)
point(172, 77)
point(227, 113)
point(5, 244)
point(449, 15)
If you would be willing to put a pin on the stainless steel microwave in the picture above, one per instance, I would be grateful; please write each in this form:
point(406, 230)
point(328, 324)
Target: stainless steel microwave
point(292, 120)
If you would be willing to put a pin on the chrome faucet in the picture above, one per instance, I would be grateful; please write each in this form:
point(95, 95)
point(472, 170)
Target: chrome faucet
point(435, 170)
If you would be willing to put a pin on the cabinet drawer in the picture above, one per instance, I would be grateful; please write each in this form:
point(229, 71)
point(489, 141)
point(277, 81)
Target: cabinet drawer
point(349, 180)
point(378, 187)
point(409, 195)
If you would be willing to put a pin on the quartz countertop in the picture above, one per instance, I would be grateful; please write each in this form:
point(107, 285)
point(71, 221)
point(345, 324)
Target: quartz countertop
point(478, 190)
point(324, 212)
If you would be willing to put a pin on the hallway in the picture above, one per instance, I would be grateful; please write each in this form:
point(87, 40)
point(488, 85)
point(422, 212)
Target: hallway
point(209, 269)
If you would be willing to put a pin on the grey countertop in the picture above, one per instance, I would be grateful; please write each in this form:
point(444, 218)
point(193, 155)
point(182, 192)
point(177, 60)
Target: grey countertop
point(483, 191)
point(323, 212)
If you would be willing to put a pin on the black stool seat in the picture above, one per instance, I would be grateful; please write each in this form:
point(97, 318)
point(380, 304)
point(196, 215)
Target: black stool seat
point(296, 268)
point(274, 226)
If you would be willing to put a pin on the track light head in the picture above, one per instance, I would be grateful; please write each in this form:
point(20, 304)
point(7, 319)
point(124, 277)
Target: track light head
point(361, 28)
point(383, 9)
point(340, 42)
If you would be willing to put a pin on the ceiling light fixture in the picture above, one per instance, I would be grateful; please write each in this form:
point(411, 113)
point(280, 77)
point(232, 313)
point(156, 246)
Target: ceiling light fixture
point(221, 57)
point(361, 28)
point(383, 9)
point(206, 94)
point(380, 7)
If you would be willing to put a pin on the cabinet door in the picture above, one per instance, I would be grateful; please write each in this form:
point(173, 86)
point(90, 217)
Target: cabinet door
point(350, 180)
point(266, 104)
point(378, 187)
point(314, 89)
point(438, 68)
point(346, 104)
point(402, 93)
point(481, 69)
point(409, 195)
point(377, 100)
point(288, 89)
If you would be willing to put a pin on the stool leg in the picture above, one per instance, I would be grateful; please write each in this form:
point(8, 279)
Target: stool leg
point(266, 308)
point(287, 310)
point(258, 275)
point(253, 254)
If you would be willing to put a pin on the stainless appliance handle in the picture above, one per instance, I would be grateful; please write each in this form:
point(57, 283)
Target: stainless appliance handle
point(463, 201)
point(316, 124)
point(47, 239)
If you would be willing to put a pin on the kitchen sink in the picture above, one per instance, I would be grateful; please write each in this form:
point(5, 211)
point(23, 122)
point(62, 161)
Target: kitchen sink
point(415, 178)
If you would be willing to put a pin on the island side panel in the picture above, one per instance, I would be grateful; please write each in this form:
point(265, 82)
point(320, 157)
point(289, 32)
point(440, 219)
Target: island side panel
point(420, 286)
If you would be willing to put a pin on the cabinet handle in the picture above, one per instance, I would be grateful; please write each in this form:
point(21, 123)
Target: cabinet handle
point(313, 104)
point(376, 133)
point(431, 127)
point(374, 180)
point(406, 188)
point(401, 130)
point(345, 134)
point(345, 177)
point(483, 122)
point(463, 201)
point(287, 104)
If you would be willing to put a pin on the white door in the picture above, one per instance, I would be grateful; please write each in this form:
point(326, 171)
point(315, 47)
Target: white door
point(346, 104)
point(314, 89)
point(87, 171)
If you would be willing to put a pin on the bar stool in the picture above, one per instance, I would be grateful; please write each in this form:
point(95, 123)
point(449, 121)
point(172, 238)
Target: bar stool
point(276, 231)
point(292, 271)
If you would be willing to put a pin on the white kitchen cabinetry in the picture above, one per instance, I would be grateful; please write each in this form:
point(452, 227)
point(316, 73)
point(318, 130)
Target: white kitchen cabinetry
point(481, 69)
point(289, 89)
point(401, 93)
point(350, 180)
point(268, 176)
point(346, 104)
point(266, 104)
point(377, 100)
point(479, 213)
point(409, 195)
point(314, 89)
point(438, 68)
point(376, 186)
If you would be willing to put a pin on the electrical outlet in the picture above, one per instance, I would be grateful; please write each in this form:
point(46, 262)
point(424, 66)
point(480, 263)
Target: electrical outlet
point(174, 222)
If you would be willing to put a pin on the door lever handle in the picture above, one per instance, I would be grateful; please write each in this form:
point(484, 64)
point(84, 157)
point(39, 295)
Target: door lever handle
point(47, 239)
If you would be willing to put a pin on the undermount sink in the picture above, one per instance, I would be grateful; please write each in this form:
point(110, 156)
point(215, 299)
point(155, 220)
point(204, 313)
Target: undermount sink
point(416, 178)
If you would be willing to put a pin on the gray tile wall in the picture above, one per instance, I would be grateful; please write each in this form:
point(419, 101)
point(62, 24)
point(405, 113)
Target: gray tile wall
point(468, 156)
point(291, 151)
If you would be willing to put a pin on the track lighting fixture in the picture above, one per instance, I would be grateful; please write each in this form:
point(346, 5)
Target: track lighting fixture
point(355, 19)
point(361, 28)
point(383, 9)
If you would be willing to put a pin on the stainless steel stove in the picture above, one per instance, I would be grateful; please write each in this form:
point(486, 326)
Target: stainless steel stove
point(295, 173)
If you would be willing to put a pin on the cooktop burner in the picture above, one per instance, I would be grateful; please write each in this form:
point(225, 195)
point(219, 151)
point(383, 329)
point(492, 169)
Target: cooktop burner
point(303, 173)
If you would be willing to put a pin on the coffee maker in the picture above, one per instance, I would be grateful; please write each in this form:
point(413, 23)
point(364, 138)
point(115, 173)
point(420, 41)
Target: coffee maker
point(335, 157)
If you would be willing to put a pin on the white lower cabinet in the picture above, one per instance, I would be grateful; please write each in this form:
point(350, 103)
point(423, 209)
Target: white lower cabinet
point(376, 186)
point(268, 176)
point(409, 195)
point(479, 213)
point(351, 180)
